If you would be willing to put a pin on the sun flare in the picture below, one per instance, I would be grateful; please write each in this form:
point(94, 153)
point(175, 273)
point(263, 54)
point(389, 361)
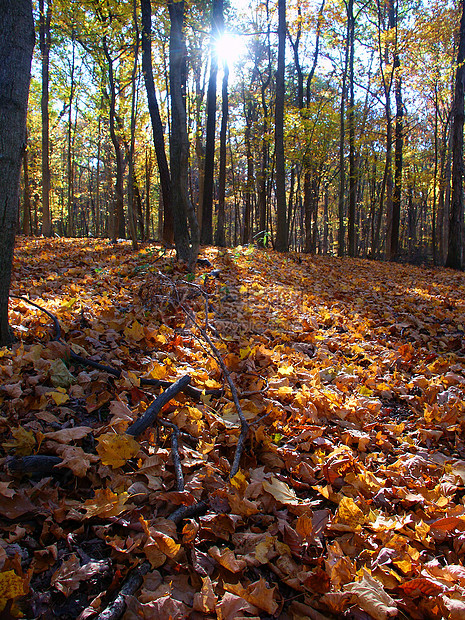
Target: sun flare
point(230, 47)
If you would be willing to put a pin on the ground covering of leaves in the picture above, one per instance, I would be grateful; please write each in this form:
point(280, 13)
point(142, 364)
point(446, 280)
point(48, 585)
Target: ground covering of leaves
point(349, 499)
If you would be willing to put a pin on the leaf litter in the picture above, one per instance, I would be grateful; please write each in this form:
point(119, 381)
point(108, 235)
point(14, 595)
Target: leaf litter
point(348, 499)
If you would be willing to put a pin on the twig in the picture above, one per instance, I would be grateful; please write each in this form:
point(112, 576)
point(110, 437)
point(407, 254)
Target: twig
point(154, 409)
point(116, 609)
point(175, 453)
point(56, 323)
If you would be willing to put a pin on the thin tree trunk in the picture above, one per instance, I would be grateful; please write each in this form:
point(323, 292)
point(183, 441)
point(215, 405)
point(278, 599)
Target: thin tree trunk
point(220, 238)
point(115, 224)
point(282, 242)
point(351, 123)
point(206, 236)
point(27, 229)
point(45, 16)
point(70, 171)
point(183, 211)
point(131, 171)
point(157, 126)
point(455, 250)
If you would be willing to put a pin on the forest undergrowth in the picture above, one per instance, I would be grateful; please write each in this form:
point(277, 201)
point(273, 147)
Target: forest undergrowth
point(350, 385)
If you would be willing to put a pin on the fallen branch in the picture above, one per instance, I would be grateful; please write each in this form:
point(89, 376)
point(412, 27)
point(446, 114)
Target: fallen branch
point(175, 432)
point(154, 409)
point(37, 464)
point(116, 609)
point(244, 424)
point(185, 512)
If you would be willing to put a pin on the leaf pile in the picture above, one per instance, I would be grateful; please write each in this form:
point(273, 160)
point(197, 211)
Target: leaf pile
point(349, 499)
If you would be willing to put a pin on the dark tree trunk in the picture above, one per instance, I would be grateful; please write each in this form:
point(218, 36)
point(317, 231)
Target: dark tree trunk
point(183, 212)
point(157, 126)
point(45, 15)
point(71, 223)
point(454, 253)
point(220, 238)
point(282, 241)
point(206, 236)
point(16, 45)
point(342, 169)
point(351, 123)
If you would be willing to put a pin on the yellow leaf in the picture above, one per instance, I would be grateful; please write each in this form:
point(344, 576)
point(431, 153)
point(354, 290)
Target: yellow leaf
point(348, 513)
point(24, 441)
point(115, 450)
point(136, 331)
point(243, 289)
point(239, 482)
point(11, 586)
point(286, 371)
point(59, 397)
point(105, 503)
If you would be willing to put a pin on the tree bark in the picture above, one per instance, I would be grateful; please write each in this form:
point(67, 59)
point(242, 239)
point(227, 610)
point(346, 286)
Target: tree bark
point(157, 126)
point(282, 242)
point(183, 212)
point(220, 238)
point(116, 225)
point(455, 250)
point(351, 123)
point(16, 45)
point(206, 235)
point(45, 15)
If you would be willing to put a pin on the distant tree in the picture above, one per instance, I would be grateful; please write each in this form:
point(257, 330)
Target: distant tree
point(454, 254)
point(16, 45)
point(45, 15)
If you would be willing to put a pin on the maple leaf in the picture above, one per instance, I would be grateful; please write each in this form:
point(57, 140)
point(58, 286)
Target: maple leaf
point(257, 593)
point(115, 450)
point(105, 504)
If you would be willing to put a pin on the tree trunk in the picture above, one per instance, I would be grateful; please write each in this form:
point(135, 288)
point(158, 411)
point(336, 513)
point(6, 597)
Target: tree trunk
point(131, 172)
point(282, 242)
point(157, 126)
point(183, 211)
point(220, 238)
point(16, 45)
point(27, 224)
point(71, 223)
point(116, 225)
point(206, 236)
point(454, 254)
point(342, 170)
point(351, 123)
point(45, 15)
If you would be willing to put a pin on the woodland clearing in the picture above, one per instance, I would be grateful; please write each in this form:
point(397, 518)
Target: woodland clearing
point(349, 497)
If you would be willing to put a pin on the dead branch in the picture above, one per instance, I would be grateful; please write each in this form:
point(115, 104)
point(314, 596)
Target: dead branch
point(185, 512)
point(154, 409)
point(203, 330)
point(37, 464)
point(175, 453)
point(116, 609)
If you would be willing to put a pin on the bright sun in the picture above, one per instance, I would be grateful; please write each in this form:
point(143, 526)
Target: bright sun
point(230, 47)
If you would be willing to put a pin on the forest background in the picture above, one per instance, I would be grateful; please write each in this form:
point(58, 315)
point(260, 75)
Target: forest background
point(341, 146)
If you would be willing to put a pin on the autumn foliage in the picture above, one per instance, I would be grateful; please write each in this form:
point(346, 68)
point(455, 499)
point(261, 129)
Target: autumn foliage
point(349, 497)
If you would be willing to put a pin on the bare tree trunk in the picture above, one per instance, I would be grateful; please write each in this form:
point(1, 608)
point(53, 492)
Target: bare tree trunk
point(282, 242)
point(16, 45)
point(206, 236)
point(220, 238)
point(455, 250)
point(45, 15)
point(132, 142)
point(157, 126)
point(183, 211)
point(27, 228)
point(351, 122)
point(71, 223)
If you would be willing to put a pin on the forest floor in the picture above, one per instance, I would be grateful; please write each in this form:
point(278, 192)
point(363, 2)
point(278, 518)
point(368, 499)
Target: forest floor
point(349, 500)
